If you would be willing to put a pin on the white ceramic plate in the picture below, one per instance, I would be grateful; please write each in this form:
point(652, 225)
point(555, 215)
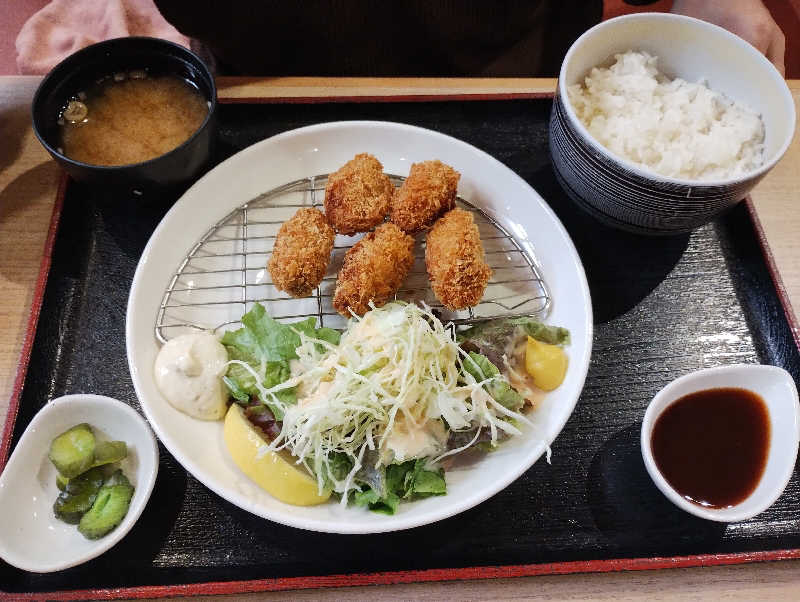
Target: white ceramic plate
point(485, 182)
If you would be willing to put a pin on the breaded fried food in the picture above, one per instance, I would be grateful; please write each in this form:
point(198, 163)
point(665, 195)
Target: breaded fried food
point(373, 270)
point(358, 195)
point(455, 261)
point(301, 252)
point(428, 192)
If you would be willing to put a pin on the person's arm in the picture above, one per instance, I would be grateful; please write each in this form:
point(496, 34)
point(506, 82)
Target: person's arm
point(749, 19)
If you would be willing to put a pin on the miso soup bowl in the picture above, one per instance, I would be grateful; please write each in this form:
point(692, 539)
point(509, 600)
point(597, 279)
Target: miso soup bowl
point(121, 55)
point(776, 387)
point(635, 198)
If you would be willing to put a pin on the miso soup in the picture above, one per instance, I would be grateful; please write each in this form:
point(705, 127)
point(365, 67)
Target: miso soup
point(130, 118)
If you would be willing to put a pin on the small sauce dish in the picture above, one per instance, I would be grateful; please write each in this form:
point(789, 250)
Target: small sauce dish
point(777, 389)
point(31, 537)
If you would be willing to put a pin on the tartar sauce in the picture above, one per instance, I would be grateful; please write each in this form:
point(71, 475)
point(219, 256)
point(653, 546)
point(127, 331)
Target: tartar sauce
point(189, 370)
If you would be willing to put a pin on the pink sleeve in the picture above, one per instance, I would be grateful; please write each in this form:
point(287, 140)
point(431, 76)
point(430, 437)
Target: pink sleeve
point(64, 26)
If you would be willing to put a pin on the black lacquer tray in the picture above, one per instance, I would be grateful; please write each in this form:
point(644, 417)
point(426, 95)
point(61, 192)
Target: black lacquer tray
point(662, 307)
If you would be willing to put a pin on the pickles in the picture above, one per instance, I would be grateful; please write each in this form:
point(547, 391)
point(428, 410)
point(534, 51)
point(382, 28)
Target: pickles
point(78, 495)
point(109, 508)
point(90, 497)
point(117, 478)
point(109, 452)
point(75, 451)
point(72, 452)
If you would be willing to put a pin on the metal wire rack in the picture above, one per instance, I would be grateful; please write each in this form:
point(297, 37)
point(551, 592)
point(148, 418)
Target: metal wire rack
point(225, 272)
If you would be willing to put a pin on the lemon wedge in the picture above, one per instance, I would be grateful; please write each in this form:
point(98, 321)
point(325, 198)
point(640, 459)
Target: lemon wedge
point(546, 364)
point(272, 471)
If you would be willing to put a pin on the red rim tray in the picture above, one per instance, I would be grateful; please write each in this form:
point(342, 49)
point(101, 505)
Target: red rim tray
point(382, 577)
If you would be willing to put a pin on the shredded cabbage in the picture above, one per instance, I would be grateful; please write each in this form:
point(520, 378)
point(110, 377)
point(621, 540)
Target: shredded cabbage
point(396, 364)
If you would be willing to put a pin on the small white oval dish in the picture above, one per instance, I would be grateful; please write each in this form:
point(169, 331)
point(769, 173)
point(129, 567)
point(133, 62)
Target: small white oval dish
point(777, 388)
point(31, 537)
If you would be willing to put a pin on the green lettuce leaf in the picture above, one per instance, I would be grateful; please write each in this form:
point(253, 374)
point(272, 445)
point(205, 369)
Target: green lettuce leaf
point(239, 394)
point(329, 335)
point(339, 465)
point(309, 328)
point(495, 333)
point(267, 346)
point(427, 482)
point(264, 339)
point(408, 480)
point(421, 482)
point(503, 393)
point(383, 505)
point(239, 376)
point(412, 479)
point(553, 335)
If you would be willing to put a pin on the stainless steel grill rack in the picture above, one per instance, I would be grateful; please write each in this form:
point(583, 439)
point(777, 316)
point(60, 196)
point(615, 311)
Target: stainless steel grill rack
point(225, 272)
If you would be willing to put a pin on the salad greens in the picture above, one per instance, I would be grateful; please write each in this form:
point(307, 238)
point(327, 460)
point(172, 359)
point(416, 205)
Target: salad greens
point(382, 488)
point(260, 353)
point(481, 369)
point(492, 340)
point(496, 332)
point(403, 481)
point(372, 412)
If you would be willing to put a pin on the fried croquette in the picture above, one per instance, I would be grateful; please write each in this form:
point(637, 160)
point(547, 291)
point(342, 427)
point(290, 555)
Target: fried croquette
point(358, 195)
point(373, 270)
point(428, 192)
point(455, 261)
point(301, 252)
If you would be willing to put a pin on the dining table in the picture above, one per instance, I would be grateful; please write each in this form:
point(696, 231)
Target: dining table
point(29, 182)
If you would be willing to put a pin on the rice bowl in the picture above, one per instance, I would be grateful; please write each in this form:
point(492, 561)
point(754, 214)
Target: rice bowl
point(621, 192)
point(673, 127)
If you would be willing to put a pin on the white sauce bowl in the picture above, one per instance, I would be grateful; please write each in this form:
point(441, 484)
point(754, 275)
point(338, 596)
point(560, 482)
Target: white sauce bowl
point(776, 387)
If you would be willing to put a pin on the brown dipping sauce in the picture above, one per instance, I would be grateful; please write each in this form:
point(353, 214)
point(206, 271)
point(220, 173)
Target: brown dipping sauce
point(712, 446)
point(130, 118)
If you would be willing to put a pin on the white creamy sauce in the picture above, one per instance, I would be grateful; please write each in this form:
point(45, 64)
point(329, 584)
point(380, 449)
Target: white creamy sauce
point(408, 441)
point(319, 397)
point(189, 370)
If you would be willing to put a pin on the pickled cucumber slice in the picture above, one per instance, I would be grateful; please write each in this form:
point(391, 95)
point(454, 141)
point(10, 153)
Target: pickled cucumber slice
point(72, 452)
point(108, 452)
point(109, 508)
point(61, 481)
point(117, 478)
point(78, 495)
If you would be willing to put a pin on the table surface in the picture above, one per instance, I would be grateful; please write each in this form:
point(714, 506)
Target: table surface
point(28, 185)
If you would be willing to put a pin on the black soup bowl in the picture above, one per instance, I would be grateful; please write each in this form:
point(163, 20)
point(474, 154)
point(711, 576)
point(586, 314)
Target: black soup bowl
point(85, 68)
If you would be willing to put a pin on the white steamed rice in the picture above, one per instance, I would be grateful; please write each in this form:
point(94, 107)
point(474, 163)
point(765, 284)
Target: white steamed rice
point(673, 127)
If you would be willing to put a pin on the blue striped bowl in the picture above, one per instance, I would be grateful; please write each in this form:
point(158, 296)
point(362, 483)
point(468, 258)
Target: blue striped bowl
point(630, 196)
